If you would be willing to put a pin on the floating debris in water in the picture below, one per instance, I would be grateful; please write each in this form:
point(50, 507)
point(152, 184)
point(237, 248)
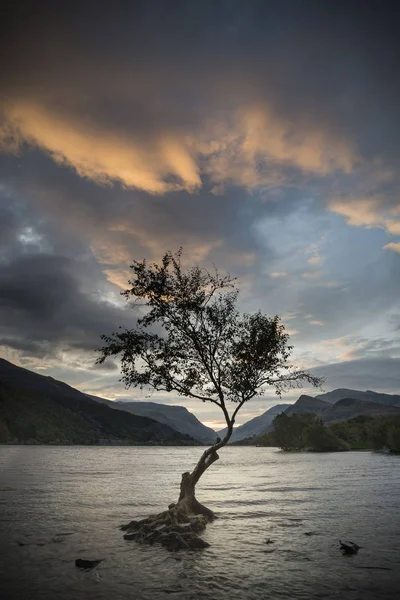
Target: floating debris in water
point(87, 564)
point(349, 547)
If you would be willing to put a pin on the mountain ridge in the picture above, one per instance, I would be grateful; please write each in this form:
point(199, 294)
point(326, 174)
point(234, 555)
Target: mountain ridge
point(39, 409)
point(331, 406)
point(368, 396)
point(341, 410)
point(177, 417)
point(256, 425)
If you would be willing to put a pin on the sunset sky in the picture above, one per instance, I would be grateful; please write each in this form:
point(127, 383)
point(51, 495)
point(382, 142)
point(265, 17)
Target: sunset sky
point(260, 136)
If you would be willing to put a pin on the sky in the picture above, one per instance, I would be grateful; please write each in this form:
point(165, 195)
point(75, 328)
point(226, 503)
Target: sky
point(260, 136)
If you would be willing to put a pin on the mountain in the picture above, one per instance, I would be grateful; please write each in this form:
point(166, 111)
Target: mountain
point(307, 404)
point(368, 396)
point(39, 409)
point(177, 417)
point(255, 426)
point(332, 412)
point(341, 410)
point(348, 408)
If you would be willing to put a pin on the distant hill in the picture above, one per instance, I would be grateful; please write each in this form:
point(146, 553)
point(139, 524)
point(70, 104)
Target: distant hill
point(255, 426)
point(177, 417)
point(368, 396)
point(343, 409)
point(39, 409)
point(348, 408)
point(307, 404)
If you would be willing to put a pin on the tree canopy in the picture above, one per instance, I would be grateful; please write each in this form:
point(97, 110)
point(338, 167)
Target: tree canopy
point(191, 339)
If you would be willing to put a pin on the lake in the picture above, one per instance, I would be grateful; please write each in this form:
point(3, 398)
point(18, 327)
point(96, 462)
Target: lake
point(62, 503)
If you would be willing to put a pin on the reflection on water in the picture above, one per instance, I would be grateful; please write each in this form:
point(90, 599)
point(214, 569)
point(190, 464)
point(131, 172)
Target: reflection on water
point(62, 503)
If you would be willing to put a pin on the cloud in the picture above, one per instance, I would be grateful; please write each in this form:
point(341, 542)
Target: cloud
point(368, 212)
point(107, 365)
point(312, 275)
point(291, 331)
point(378, 374)
point(49, 308)
point(102, 155)
point(314, 260)
point(277, 274)
point(254, 149)
point(395, 246)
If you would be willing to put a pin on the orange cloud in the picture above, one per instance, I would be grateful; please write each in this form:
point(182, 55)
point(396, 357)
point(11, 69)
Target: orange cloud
point(368, 212)
point(248, 148)
point(252, 147)
point(315, 260)
point(118, 277)
point(115, 255)
point(395, 246)
point(291, 331)
point(105, 156)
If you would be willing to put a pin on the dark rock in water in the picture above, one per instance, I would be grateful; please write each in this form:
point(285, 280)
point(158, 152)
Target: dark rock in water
point(269, 541)
point(135, 525)
point(309, 533)
point(173, 541)
point(349, 547)
point(182, 541)
point(130, 536)
point(86, 564)
point(196, 542)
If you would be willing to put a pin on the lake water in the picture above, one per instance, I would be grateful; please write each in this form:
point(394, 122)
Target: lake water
point(64, 503)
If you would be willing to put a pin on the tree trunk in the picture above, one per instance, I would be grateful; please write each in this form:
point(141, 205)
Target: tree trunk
point(178, 527)
point(187, 502)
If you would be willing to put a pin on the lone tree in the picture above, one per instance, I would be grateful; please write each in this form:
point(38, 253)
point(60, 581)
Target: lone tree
point(193, 341)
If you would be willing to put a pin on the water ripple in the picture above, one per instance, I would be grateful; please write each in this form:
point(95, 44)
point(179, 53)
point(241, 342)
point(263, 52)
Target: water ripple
point(54, 510)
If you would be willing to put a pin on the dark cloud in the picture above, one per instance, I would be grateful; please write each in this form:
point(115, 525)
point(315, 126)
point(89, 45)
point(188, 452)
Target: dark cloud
point(47, 306)
point(395, 321)
point(151, 65)
point(107, 365)
point(379, 374)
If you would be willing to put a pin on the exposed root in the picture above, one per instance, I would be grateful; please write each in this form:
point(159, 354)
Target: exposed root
point(172, 528)
point(178, 527)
